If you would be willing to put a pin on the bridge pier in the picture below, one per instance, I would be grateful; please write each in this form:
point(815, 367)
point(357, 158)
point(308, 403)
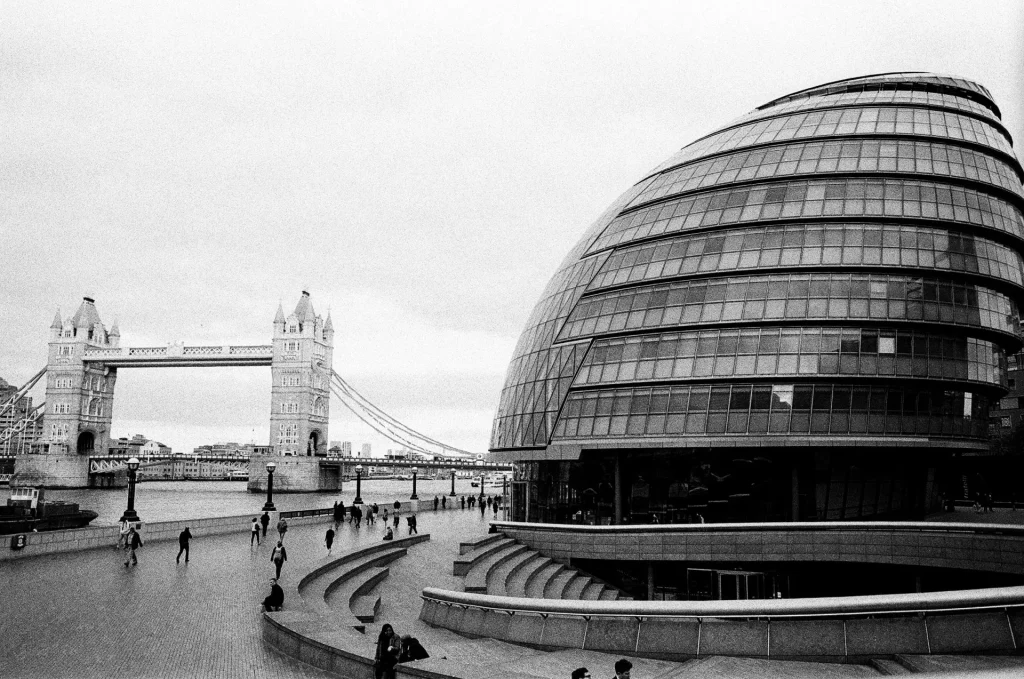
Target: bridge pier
point(51, 471)
point(293, 474)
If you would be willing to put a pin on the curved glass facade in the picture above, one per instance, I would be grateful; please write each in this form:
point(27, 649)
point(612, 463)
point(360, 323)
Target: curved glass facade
point(835, 275)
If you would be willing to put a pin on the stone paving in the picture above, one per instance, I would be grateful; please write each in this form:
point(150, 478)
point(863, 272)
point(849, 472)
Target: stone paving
point(85, 615)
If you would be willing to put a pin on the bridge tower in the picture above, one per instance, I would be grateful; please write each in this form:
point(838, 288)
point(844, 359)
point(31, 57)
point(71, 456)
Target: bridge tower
point(79, 402)
point(300, 370)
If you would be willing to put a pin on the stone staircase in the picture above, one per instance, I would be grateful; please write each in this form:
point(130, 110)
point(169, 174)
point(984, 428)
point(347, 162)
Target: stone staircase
point(501, 566)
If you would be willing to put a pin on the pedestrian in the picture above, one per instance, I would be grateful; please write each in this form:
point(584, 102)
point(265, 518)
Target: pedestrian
point(264, 521)
point(488, 501)
point(339, 516)
point(494, 506)
point(132, 542)
point(483, 507)
point(581, 673)
point(275, 601)
point(412, 650)
point(371, 514)
point(389, 650)
point(444, 502)
point(278, 557)
point(183, 539)
point(622, 668)
point(385, 515)
point(411, 521)
point(437, 501)
point(122, 534)
point(329, 540)
point(282, 528)
point(357, 511)
point(334, 514)
point(388, 534)
point(254, 535)
point(463, 501)
point(396, 514)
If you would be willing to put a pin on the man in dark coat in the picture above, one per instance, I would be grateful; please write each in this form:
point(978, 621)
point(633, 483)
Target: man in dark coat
point(265, 521)
point(275, 601)
point(132, 542)
point(183, 539)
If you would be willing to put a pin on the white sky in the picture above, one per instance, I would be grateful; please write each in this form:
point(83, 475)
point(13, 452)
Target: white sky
point(420, 167)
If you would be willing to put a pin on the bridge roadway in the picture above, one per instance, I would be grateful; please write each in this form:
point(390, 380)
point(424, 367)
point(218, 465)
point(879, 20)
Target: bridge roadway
point(180, 356)
point(103, 464)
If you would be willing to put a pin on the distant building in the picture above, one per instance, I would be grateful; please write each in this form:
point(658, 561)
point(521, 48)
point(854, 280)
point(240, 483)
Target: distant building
point(365, 451)
point(138, 446)
point(19, 442)
point(346, 449)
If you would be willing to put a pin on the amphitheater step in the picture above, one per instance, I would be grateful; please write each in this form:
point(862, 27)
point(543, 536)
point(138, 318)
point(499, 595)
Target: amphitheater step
point(555, 589)
point(465, 562)
point(498, 578)
point(539, 581)
point(476, 579)
point(470, 545)
point(592, 592)
point(574, 590)
point(317, 591)
point(521, 577)
point(364, 600)
point(609, 594)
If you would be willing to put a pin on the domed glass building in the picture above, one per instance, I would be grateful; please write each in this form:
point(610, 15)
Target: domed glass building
point(804, 315)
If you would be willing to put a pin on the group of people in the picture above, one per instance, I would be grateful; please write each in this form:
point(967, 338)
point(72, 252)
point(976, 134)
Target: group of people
point(622, 670)
point(392, 650)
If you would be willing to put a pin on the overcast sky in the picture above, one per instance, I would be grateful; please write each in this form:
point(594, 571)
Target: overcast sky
point(421, 168)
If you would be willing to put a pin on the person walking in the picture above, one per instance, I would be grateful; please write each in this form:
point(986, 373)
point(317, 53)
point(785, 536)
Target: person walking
point(264, 521)
point(463, 501)
point(123, 533)
point(329, 540)
point(483, 507)
point(339, 514)
point(494, 506)
point(444, 502)
point(396, 514)
point(371, 514)
point(282, 528)
point(411, 521)
point(275, 601)
point(278, 557)
point(389, 650)
point(132, 543)
point(437, 501)
point(622, 668)
point(183, 538)
point(254, 533)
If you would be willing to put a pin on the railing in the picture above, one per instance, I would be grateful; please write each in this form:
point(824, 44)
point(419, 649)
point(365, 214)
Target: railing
point(5, 478)
point(326, 511)
point(996, 598)
point(176, 352)
point(768, 526)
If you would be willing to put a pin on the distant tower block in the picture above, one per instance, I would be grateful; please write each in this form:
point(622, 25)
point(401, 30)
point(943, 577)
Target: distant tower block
point(79, 401)
point(300, 370)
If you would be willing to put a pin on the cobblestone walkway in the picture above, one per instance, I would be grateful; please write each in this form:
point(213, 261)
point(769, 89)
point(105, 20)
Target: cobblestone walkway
point(85, 615)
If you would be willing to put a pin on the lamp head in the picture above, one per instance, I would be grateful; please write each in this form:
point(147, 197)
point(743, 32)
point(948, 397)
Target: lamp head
point(271, 466)
point(133, 463)
point(359, 469)
point(414, 470)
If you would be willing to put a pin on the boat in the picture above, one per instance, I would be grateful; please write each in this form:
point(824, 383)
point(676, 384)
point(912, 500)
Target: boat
point(28, 511)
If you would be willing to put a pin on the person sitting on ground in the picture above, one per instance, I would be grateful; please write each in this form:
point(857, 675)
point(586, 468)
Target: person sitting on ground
point(412, 650)
point(581, 673)
point(622, 668)
point(275, 601)
point(389, 535)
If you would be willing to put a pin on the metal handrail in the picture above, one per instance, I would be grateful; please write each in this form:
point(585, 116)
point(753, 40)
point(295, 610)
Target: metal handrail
point(830, 607)
point(777, 526)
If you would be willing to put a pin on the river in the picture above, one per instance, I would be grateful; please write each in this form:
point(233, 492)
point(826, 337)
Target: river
point(178, 500)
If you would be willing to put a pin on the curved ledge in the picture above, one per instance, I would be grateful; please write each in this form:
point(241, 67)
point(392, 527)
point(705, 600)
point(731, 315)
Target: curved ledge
point(777, 526)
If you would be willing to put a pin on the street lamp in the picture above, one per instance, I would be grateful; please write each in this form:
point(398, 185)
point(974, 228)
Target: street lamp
point(129, 514)
point(414, 496)
point(269, 507)
point(452, 494)
point(504, 496)
point(359, 485)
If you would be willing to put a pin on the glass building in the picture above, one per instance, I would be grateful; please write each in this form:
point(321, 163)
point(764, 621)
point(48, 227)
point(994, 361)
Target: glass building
point(804, 315)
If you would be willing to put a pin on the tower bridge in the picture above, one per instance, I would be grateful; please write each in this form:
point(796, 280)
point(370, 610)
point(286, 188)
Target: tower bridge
point(85, 357)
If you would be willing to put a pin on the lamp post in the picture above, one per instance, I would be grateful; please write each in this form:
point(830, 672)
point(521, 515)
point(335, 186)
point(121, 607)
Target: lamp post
point(359, 485)
point(269, 506)
point(414, 496)
point(452, 494)
point(129, 514)
point(504, 496)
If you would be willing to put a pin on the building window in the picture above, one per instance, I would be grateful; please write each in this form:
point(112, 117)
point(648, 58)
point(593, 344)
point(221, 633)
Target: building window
point(290, 380)
point(289, 407)
point(288, 435)
point(66, 351)
point(1005, 422)
point(291, 347)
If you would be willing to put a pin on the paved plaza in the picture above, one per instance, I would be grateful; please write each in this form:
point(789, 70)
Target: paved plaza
point(85, 615)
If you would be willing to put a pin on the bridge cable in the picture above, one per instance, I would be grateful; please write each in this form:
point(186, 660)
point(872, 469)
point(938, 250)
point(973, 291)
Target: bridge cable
point(21, 392)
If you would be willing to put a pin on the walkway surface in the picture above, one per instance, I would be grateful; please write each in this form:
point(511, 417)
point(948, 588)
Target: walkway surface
point(85, 615)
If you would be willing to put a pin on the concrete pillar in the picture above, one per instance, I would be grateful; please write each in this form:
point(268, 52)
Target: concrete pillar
point(618, 489)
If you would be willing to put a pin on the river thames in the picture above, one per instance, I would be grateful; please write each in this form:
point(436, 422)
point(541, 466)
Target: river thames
point(178, 500)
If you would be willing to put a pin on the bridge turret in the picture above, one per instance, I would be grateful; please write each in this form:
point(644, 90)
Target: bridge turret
point(56, 327)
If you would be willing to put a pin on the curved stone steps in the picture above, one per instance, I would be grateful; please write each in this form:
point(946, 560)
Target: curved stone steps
point(464, 563)
point(609, 594)
point(476, 579)
point(317, 592)
point(518, 579)
point(483, 540)
point(593, 591)
point(538, 582)
point(499, 578)
point(555, 588)
point(574, 590)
